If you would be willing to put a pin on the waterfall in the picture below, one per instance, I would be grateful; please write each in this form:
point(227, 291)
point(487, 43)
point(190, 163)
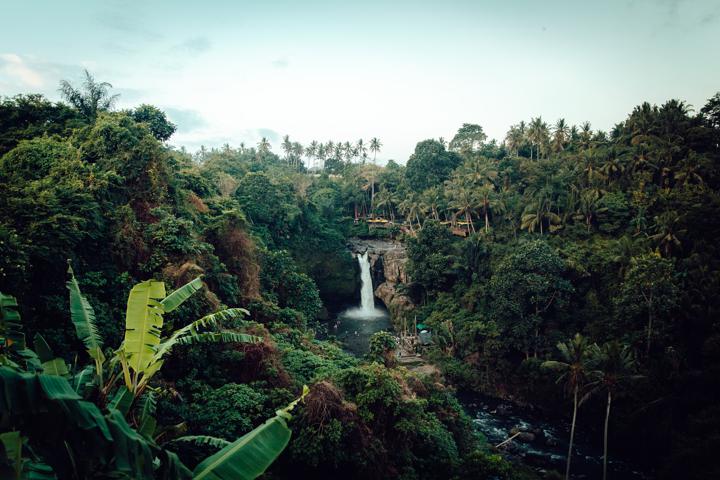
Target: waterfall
point(367, 309)
point(367, 295)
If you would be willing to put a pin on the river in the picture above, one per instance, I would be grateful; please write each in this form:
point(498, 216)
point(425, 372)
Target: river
point(542, 445)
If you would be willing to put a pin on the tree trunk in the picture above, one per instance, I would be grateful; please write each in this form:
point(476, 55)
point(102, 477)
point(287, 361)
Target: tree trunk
point(649, 332)
point(572, 433)
point(605, 436)
point(469, 218)
point(487, 221)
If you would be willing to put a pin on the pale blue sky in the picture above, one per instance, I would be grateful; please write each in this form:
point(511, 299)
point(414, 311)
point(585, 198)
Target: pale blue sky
point(232, 71)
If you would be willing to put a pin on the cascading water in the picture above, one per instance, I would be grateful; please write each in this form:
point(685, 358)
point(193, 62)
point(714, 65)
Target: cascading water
point(354, 326)
point(367, 309)
point(367, 295)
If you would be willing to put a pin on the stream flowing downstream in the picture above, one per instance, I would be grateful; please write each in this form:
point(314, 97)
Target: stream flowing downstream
point(542, 444)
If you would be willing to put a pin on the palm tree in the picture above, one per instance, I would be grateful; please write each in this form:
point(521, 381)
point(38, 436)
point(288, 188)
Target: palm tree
point(515, 138)
point(348, 150)
point(375, 147)
point(264, 145)
point(287, 147)
point(386, 200)
point(585, 135)
point(576, 368)
point(311, 151)
point(669, 232)
point(561, 135)
point(617, 366)
point(462, 199)
point(538, 133)
point(481, 173)
point(410, 208)
point(361, 149)
point(89, 99)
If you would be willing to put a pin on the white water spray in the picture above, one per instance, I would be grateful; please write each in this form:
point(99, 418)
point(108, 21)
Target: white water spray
point(367, 295)
point(367, 309)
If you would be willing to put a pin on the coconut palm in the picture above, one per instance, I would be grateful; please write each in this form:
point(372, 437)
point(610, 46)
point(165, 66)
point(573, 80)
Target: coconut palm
point(617, 366)
point(561, 135)
point(311, 152)
point(410, 207)
point(264, 145)
point(361, 149)
point(89, 99)
point(538, 133)
point(375, 146)
point(482, 175)
point(296, 151)
point(462, 199)
point(576, 368)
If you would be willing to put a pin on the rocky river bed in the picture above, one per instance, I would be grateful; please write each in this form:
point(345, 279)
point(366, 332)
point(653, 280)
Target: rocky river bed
point(542, 443)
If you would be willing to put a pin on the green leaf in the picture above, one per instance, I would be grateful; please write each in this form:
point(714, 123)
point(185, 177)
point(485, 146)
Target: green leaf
point(202, 440)
point(44, 352)
point(249, 456)
point(193, 328)
point(218, 337)
point(56, 366)
point(83, 317)
point(143, 322)
point(122, 400)
point(12, 442)
point(10, 323)
point(148, 406)
point(176, 298)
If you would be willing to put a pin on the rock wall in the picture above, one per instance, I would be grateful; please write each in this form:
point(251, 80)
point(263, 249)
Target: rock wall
point(388, 261)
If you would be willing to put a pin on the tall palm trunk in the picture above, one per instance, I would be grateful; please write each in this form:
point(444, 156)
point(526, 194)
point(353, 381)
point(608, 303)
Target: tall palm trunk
point(469, 218)
point(605, 436)
point(572, 433)
point(649, 331)
point(487, 221)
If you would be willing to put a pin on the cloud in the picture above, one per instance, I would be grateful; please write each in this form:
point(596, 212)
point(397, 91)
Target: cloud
point(187, 120)
point(268, 133)
point(18, 69)
point(280, 63)
point(126, 25)
point(195, 45)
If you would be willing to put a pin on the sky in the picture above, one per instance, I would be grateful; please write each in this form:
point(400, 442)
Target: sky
point(401, 71)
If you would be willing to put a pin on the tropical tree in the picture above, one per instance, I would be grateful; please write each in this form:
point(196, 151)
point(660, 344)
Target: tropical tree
point(617, 366)
point(482, 174)
point(89, 99)
point(462, 199)
point(650, 287)
point(264, 145)
point(538, 133)
point(516, 138)
point(375, 146)
point(48, 401)
point(561, 135)
point(287, 147)
point(468, 139)
point(575, 367)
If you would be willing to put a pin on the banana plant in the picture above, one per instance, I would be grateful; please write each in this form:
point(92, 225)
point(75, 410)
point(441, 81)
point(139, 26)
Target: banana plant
point(44, 405)
point(143, 351)
point(83, 318)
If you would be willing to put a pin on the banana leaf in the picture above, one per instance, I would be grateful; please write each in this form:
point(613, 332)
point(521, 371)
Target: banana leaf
point(176, 298)
point(143, 323)
point(83, 317)
point(249, 456)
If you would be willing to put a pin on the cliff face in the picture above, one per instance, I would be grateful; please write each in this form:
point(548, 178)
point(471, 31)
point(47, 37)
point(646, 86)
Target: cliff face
point(388, 262)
